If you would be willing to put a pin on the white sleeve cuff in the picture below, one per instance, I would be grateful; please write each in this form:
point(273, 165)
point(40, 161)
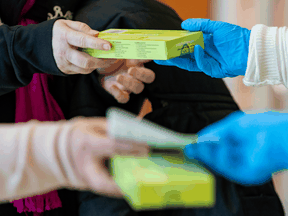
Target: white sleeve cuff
point(267, 61)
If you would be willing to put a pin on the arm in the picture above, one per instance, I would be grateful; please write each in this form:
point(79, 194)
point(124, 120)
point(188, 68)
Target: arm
point(30, 158)
point(49, 47)
point(25, 51)
point(37, 157)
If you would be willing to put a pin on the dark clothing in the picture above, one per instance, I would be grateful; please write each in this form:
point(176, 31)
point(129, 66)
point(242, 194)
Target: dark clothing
point(23, 52)
point(182, 101)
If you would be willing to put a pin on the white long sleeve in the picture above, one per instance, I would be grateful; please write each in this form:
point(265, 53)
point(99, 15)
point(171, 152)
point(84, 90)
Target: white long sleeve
point(30, 158)
point(268, 56)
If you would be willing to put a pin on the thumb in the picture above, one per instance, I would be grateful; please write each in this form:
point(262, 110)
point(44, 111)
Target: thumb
point(99, 179)
point(205, 25)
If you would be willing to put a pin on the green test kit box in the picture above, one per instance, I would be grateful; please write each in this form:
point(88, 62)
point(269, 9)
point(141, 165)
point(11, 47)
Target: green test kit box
point(147, 44)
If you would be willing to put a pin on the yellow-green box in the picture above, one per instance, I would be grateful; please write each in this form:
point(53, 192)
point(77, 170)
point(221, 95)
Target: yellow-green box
point(147, 44)
point(159, 182)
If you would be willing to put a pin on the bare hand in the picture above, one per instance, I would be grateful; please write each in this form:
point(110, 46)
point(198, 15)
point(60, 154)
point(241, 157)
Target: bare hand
point(68, 36)
point(91, 146)
point(125, 76)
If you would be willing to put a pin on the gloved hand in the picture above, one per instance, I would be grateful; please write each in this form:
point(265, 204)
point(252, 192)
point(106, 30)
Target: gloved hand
point(246, 148)
point(225, 53)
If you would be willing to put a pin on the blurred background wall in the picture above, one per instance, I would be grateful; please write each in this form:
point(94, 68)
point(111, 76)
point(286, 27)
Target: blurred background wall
point(247, 13)
point(189, 8)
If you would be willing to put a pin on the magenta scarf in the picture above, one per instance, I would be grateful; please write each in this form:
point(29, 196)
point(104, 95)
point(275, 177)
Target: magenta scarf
point(35, 102)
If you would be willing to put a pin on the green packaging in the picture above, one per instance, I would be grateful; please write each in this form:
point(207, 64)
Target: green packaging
point(147, 44)
point(165, 179)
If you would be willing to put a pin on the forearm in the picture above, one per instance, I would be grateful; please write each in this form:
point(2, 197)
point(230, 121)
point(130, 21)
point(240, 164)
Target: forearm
point(25, 51)
point(34, 158)
point(268, 52)
point(280, 181)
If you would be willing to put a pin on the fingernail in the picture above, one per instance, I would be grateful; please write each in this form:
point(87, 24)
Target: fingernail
point(106, 46)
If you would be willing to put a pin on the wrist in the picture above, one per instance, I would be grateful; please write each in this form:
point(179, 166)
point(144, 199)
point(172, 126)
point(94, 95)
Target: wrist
point(246, 42)
point(45, 152)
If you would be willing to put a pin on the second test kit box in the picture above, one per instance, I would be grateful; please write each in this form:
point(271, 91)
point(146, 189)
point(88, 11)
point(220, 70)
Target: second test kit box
point(147, 44)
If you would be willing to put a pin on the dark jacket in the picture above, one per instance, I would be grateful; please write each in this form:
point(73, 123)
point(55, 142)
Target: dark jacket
point(181, 100)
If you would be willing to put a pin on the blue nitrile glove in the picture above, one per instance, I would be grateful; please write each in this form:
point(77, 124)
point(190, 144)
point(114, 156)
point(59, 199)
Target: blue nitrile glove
point(246, 148)
point(225, 53)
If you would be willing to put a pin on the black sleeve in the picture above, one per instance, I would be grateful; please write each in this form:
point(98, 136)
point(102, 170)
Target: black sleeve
point(23, 52)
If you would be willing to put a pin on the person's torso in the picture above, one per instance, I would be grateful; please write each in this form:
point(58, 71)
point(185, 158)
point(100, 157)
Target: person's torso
point(42, 10)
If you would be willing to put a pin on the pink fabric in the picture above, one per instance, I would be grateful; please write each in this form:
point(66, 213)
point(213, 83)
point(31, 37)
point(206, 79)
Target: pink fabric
point(35, 102)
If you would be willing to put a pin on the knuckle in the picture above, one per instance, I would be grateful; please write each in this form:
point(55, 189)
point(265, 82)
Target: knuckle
point(68, 56)
point(120, 78)
point(83, 26)
point(59, 22)
point(64, 35)
point(131, 82)
point(87, 71)
point(81, 41)
point(85, 63)
point(132, 71)
point(142, 75)
point(61, 62)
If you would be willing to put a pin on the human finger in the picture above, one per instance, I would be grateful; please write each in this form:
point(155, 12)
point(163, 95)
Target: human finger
point(120, 95)
point(130, 83)
point(136, 62)
point(82, 40)
point(109, 66)
point(82, 60)
point(128, 147)
point(143, 74)
point(82, 27)
point(72, 69)
point(186, 62)
point(99, 179)
point(205, 25)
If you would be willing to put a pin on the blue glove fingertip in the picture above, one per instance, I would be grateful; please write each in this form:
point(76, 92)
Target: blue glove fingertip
point(189, 151)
